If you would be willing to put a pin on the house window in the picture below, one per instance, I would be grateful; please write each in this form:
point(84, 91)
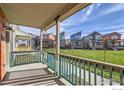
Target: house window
point(98, 43)
point(114, 37)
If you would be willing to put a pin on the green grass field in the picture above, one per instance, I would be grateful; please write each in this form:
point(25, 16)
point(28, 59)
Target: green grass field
point(111, 56)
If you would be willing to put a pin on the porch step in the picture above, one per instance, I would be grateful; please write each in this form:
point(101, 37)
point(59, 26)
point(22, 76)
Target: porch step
point(34, 81)
point(25, 79)
point(42, 83)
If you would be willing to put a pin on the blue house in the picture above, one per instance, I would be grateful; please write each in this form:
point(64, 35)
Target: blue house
point(76, 41)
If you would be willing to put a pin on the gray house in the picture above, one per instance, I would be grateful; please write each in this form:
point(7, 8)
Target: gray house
point(76, 41)
point(62, 40)
point(93, 41)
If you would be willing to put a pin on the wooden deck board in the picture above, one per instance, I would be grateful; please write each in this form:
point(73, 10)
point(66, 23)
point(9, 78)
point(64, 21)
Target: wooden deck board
point(31, 77)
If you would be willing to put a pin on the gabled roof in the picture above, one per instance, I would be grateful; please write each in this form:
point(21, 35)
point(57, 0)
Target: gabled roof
point(22, 33)
point(111, 34)
point(94, 33)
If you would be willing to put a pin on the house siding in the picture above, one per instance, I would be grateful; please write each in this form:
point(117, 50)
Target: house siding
point(2, 50)
point(76, 41)
point(112, 40)
point(93, 41)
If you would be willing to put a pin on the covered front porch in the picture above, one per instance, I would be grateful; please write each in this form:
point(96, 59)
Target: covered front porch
point(41, 67)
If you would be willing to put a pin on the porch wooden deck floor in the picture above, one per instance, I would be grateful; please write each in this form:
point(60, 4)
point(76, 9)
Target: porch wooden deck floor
point(31, 77)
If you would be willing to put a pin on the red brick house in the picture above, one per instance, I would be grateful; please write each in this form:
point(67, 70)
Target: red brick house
point(111, 40)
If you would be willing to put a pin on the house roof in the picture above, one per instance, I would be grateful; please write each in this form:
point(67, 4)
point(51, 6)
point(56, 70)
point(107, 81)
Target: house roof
point(38, 15)
point(32, 34)
point(22, 33)
point(111, 34)
point(94, 33)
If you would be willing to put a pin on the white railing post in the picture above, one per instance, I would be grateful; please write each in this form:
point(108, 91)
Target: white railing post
point(57, 44)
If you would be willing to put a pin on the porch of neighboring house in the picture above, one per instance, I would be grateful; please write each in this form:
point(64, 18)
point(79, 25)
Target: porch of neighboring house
point(23, 41)
point(39, 67)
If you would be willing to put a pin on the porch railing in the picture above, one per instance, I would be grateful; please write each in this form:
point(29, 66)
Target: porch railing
point(24, 57)
point(51, 61)
point(82, 71)
point(44, 57)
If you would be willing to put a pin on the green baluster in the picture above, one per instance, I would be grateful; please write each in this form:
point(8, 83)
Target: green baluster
point(54, 63)
point(39, 57)
point(76, 72)
point(95, 74)
point(80, 73)
point(12, 59)
point(111, 79)
point(64, 68)
point(102, 75)
point(72, 72)
point(89, 73)
point(42, 57)
point(60, 65)
point(121, 77)
point(47, 59)
point(69, 69)
point(84, 72)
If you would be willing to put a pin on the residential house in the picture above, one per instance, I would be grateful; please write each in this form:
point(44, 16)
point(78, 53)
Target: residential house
point(37, 42)
point(32, 40)
point(21, 40)
point(48, 40)
point(68, 43)
point(112, 40)
point(93, 41)
point(62, 40)
point(76, 41)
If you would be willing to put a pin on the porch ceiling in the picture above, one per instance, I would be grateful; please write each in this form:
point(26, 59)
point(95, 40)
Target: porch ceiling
point(40, 15)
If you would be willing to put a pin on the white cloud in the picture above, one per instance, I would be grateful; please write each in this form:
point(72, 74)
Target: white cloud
point(67, 23)
point(106, 11)
point(112, 27)
point(98, 5)
point(62, 29)
point(86, 13)
point(89, 10)
point(114, 8)
point(81, 16)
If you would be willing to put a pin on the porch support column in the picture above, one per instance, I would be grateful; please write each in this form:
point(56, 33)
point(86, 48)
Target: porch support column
point(41, 46)
point(57, 44)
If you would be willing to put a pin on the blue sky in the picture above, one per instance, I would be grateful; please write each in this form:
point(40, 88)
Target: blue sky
point(104, 18)
point(30, 30)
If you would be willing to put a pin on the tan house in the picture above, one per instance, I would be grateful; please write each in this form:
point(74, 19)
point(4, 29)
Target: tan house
point(48, 40)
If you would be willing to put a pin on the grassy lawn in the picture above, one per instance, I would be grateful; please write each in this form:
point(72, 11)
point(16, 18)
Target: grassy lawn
point(115, 57)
